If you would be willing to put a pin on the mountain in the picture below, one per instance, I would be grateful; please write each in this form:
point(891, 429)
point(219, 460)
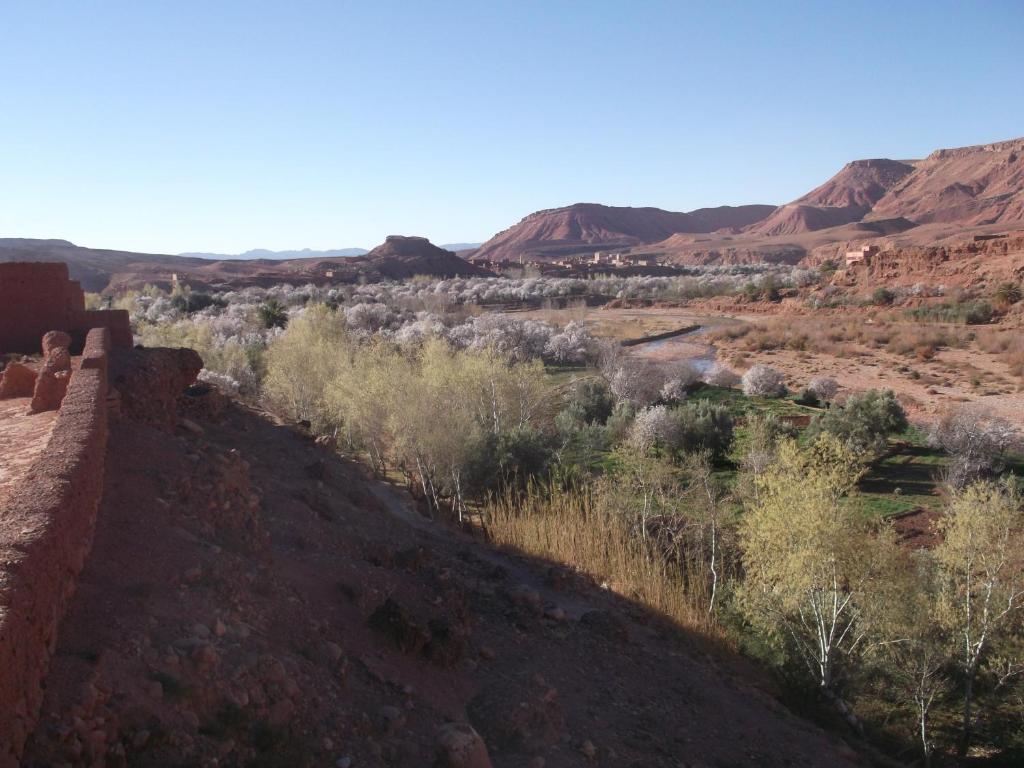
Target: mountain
point(846, 197)
point(585, 227)
point(263, 253)
point(456, 247)
point(972, 186)
point(92, 267)
point(105, 270)
point(399, 257)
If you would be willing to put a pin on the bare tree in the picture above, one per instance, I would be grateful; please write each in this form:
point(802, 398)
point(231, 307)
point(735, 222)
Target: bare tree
point(763, 381)
point(976, 441)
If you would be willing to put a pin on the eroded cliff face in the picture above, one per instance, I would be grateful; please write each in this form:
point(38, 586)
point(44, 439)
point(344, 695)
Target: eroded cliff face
point(980, 266)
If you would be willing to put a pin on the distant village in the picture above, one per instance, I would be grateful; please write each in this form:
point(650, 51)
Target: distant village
point(598, 262)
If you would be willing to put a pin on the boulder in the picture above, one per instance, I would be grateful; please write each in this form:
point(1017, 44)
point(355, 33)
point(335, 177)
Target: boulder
point(459, 746)
point(17, 380)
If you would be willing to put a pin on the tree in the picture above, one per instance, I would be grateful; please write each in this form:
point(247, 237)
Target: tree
point(863, 422)
point(590, 401)
point(653, 427)
point(573, 344)
point(912, 647)
point(823, 388)
point(975, 439)
point(763, 434)
point(272, 314)
point(636, 382)
point(301, 363)
point(981, 572)
point(763, 381)
point(811, 561)
point(645, 478)
point(707, 496)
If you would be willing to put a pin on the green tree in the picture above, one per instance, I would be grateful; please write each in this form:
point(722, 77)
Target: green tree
point(811, 561)
point(981, 568)
point(302, 362)
point(913, 649)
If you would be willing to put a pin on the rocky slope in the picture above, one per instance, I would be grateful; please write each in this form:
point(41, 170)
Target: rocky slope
point(846, 197)
point(970, 186)
point(587, 227)
point(398, 258)
point(254, 599)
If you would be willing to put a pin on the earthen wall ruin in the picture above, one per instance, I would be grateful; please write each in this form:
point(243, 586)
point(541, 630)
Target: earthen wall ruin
point(46, 530)
point(39, 297)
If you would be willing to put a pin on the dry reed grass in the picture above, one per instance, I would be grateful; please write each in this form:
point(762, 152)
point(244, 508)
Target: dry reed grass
point(570, 527)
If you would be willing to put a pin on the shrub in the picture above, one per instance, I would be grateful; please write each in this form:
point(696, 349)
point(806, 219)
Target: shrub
point(189, 302)
point(590, 401)
point(863, 422)
point(702, 426)
point(720, 376)
point(882, 297)
point(1008, 294)
point(763, 381)
point(510, 459)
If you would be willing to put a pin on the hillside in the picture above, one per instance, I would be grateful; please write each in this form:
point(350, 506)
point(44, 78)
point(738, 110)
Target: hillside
point(951, 194)
point(846, 197)
point(970, 186)
point(107, 270)
point(589, 226)
point(254, 599)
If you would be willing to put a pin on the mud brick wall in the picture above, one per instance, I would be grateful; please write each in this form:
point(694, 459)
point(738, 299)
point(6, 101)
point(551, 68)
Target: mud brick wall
point(46, 531)
point(39, 297)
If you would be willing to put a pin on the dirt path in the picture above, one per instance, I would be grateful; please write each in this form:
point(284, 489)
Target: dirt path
point(23, 438)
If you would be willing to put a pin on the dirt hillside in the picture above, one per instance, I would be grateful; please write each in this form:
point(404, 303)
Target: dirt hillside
point(588, 226)
point(254, 599)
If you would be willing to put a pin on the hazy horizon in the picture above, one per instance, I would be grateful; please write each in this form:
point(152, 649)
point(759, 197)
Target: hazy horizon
point(223, 128)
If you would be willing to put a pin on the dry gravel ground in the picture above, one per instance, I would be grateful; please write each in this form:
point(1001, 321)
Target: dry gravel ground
point(254, 599)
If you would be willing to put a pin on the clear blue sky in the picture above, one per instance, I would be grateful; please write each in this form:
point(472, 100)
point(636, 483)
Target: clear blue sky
point(222, 126)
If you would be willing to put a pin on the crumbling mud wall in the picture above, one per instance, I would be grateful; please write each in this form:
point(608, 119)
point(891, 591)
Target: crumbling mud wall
point(46, 529)
point(40, 297)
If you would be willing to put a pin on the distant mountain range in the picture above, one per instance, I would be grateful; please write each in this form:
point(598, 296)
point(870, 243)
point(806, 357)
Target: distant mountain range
point(306, 253)
point(948, 195)
point(263, 253)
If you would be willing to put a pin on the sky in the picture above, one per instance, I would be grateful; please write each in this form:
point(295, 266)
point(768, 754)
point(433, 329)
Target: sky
point(171, 126)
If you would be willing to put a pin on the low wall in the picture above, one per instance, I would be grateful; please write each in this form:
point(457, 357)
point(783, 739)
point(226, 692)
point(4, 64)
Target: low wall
point(46, 530)
point(660, 336)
